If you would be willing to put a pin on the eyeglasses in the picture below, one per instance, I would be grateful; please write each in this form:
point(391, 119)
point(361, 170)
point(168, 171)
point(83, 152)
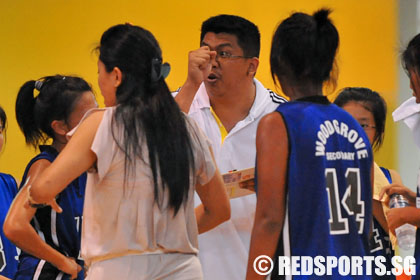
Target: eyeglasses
point(366, 126)
point(228, 55)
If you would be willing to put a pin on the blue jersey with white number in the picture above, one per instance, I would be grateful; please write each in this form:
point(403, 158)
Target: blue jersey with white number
point(380, 244)
point(329, 197)
point(60, 231)
point(8, 251)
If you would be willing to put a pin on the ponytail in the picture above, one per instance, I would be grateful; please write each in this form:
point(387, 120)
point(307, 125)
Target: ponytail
point(25, 116)
point(321, 18)
point(326, 44)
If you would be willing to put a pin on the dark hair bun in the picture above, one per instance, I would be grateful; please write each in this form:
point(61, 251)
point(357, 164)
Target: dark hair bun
point(321, 17)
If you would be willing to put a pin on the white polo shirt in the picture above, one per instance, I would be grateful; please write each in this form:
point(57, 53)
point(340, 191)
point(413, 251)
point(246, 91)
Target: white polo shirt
point(223, 251)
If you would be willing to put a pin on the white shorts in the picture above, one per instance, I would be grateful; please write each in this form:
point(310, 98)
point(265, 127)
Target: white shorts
point(147, 267)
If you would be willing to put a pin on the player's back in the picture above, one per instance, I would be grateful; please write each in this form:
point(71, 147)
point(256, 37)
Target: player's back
point(328, 183)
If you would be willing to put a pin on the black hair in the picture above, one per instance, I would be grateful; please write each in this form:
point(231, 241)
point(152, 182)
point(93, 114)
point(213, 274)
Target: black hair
point(3, 123)
point(411, 55)
point(147, 112)
point(371, 101)
point(56, 98)
point(3, 118)
point(246, 32)
point(303, 48)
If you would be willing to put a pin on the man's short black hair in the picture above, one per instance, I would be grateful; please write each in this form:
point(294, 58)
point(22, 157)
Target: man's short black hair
point(246, 32)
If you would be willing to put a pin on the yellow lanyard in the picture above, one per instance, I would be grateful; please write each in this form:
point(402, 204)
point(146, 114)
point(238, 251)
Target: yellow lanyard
point(223, 131)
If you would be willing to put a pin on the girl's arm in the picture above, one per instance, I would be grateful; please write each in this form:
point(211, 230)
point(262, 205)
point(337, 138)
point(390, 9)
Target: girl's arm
point(74, 159)
point(398, 216)
point(399, 189)
point(377, 206)
point(18, 229)
point(395, 176)
point(272, 154)
point(379, 215)
point(215, 207)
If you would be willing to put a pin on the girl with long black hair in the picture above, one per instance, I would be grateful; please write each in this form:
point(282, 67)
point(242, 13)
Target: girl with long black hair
point(148, 158)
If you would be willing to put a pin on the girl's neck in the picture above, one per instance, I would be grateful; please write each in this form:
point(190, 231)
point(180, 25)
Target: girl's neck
point(59, 144)
point(304, 91)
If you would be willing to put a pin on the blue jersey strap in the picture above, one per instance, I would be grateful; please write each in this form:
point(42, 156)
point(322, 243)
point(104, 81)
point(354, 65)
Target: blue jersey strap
point(387, 174)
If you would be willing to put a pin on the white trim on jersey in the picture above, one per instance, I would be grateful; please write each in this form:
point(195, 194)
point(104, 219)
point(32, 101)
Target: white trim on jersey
point(54, 227)
point(59, 276)
point(38, 229)
point(286, 237)
point(38, 270)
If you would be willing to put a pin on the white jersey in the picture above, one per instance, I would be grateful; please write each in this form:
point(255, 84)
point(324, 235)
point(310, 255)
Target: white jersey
point(223, 251)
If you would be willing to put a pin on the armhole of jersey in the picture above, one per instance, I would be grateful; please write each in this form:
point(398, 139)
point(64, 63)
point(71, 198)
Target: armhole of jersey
point(387, 174)
point(35, 159)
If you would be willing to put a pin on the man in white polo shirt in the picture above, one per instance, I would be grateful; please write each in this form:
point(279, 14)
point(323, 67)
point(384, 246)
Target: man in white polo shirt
point(223, 97)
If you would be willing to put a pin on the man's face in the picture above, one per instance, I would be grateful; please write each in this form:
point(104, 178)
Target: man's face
point(229, 68)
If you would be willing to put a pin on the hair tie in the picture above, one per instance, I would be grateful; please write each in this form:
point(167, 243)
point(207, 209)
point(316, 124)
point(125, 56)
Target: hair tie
point(38, 85)
point(159, 70)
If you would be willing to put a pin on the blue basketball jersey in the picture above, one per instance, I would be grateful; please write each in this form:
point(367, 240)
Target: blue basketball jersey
point(328, 205)
point(8, 251)
point(60, 231)
point(380, 244)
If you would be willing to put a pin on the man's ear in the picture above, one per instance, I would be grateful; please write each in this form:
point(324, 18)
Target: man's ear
point(253, 66)
point(59, 127)
point(117, 76)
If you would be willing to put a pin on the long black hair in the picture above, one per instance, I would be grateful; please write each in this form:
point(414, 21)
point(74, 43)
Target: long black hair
point(303, 48)
point(56, 98)
point(371, 101)
point(147, 111)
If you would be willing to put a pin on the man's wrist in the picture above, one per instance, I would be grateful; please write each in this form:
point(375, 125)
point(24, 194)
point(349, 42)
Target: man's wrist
point(192, 84)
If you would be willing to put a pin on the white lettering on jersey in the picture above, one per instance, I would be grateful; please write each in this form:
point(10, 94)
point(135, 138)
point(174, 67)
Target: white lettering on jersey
point(329, 128)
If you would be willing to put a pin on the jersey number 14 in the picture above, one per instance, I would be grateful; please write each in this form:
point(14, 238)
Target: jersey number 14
point(351, 202)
